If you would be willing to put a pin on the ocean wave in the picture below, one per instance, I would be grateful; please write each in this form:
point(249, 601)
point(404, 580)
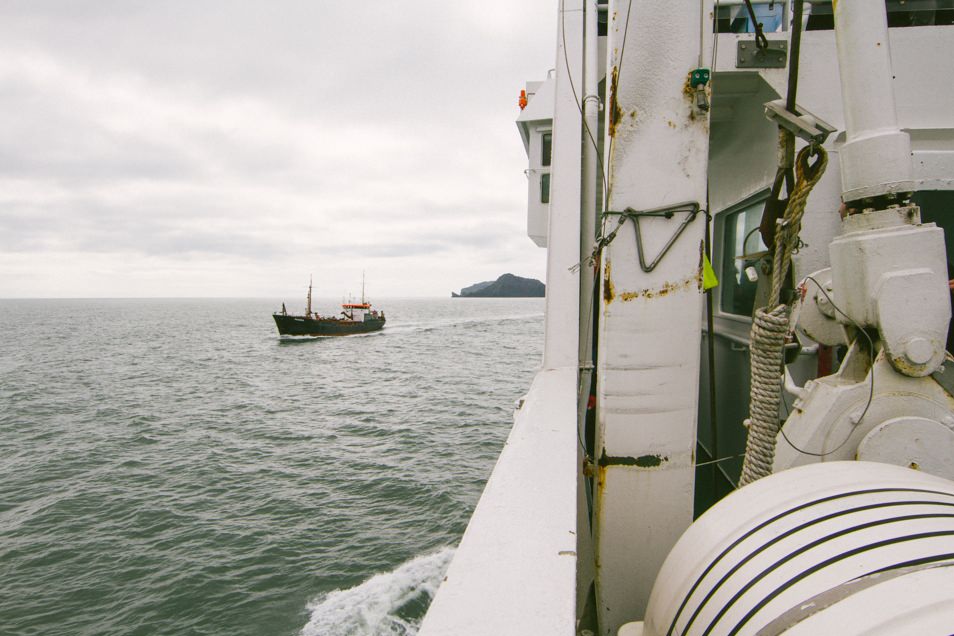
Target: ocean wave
point(388, 604)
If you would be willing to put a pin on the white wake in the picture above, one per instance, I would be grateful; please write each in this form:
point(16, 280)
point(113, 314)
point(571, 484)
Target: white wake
point(375, 607)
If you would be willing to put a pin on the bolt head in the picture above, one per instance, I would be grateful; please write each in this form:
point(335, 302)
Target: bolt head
point(918, 350)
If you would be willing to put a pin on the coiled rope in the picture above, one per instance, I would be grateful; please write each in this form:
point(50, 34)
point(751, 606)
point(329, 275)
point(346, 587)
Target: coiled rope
point(770, 327)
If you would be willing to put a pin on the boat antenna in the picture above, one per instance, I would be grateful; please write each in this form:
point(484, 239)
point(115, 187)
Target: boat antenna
point(362, 286)
point(308, 309)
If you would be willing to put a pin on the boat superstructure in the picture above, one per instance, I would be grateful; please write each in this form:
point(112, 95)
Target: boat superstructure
point(771, 453)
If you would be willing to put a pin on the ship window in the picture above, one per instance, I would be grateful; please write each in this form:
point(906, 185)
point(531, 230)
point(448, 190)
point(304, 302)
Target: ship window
point(901, 13)
point(935, 206)
point(545, 187)
point(735, 19)
point(742, 248)
point(547, 148)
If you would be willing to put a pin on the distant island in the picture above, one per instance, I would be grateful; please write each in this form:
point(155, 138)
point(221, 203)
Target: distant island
point(507, 286)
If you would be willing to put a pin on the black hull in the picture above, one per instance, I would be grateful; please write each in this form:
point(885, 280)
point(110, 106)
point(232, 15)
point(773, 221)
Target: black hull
point(301, 326)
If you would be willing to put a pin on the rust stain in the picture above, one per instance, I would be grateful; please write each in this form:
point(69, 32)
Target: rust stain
point(608, 292)
point(615, 114)
point(903, 365)
point(690, 94)
point(687, 90)
point(667, 288)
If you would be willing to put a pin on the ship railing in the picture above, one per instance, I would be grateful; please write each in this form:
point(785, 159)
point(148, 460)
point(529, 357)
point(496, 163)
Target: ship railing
point(515, 570)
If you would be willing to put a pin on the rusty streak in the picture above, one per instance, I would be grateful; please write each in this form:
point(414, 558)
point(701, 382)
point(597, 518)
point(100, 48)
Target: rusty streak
point(666, 289)
point(615, 114)
point(608, 292)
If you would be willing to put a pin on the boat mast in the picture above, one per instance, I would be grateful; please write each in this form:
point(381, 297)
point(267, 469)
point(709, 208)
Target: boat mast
point(362, 287)
point(308, 308)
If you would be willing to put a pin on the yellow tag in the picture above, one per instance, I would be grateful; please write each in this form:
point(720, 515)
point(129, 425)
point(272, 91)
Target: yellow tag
point(709, 279)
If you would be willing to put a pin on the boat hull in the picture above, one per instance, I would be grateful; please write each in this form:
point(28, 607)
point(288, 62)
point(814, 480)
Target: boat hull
point(301, 326)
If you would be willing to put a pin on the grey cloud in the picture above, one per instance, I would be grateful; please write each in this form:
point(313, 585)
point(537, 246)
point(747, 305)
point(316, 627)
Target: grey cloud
point(261, 132)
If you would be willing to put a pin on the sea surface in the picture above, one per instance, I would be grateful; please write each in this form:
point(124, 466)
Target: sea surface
point(175, 467)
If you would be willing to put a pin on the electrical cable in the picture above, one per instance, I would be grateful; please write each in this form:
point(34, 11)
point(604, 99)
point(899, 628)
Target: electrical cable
point(870, 375)
point(619, 73)
point(577, 101)
point(720, 460)
point(761, 41)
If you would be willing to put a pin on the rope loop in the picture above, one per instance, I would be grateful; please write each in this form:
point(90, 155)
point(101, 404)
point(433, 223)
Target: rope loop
point(770, 327)
point(805, 171)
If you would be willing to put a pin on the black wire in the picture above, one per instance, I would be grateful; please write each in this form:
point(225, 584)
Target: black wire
point(579, 105)
point(792, 89)
point(795, 48)
point(745, 241)
point(720, 460)
point(760, 40)
point(710, 353)
point(786, 172)
point(870, 375)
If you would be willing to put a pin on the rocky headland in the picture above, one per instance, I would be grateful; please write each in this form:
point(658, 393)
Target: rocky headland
point(507, 286)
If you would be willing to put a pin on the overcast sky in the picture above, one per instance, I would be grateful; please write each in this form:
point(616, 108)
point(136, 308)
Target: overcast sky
point(225, 148)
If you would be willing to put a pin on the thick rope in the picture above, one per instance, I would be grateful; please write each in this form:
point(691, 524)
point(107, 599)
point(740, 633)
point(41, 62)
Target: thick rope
point(768, 345)
point(770, 327)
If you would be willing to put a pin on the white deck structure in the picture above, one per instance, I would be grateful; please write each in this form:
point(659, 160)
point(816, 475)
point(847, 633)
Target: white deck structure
point(584, 505)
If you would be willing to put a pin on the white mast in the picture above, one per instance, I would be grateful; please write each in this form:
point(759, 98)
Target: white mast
point(647, 376)
point(308, 308)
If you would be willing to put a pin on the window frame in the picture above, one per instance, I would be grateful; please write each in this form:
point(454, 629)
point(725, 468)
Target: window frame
point(719, 247)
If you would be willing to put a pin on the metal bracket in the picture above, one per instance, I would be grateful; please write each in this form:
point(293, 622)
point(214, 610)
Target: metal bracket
point(945, 377)
point(690, 208)
point(801, 123)
point(749, 55)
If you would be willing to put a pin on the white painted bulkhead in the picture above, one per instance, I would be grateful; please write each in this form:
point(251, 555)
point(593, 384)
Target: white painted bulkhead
point(535, 124)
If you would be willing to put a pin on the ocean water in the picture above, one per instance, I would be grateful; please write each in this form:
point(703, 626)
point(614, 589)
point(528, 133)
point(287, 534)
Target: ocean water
point(175, 467)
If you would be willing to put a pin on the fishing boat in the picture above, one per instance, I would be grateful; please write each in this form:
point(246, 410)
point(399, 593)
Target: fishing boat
point(355, 318)
point(744, 419)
